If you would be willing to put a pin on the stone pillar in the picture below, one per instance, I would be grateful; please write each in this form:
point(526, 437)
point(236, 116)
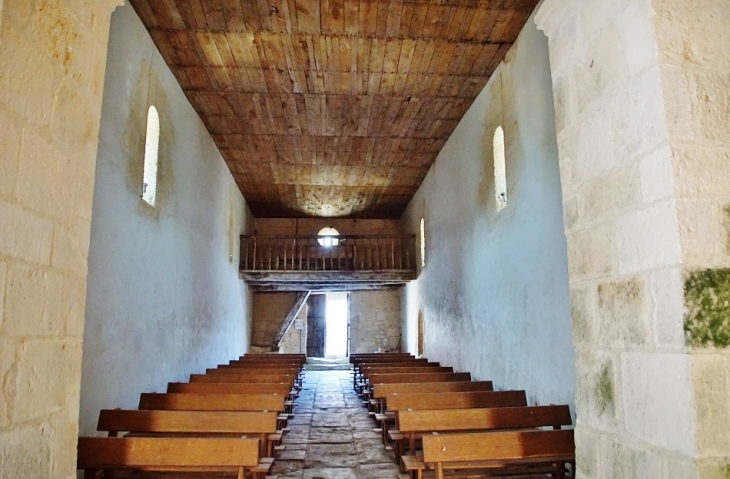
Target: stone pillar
point(52, 62)
point(693, 37)
point(641, 106)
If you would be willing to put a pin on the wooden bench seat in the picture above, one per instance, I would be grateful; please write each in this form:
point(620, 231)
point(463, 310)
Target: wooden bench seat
point(235, 377)
point(238, 456)
point(237, 388)
point(229, 423)
point(494, 453)
point(381, 391)
point(449, 400)
point(413, 425)
point(402, 378)
point(364, 377)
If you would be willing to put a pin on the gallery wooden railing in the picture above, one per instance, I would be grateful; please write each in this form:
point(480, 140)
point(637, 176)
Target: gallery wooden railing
point(337, 253)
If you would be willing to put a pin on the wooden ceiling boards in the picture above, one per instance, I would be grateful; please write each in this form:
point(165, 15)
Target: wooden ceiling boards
point(332, 107)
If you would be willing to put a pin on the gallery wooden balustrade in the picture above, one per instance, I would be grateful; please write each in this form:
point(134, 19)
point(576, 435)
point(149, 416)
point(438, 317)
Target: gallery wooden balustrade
point(359, 261)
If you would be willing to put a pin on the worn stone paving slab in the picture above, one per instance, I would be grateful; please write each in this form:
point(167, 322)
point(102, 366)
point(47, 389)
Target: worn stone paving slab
point(331, 435)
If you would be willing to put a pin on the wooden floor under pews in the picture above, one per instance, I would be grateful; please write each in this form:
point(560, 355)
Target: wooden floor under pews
point(392, 417)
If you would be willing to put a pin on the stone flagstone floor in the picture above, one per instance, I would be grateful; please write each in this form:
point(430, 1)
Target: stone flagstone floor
point(331, 435)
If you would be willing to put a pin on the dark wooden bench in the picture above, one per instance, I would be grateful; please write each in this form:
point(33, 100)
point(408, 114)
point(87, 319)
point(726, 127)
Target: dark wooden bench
point(449, 400)
point(187, 423)
point(498, 453)
point(416, 424)
point(204, 455)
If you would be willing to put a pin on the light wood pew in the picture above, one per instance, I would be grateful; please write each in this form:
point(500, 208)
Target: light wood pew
point(393, 363)
point(416, 424)
point(236, 377)
point(239, 388)
point(395, 378)
point(261, 365)
point(449, 400)
point(246, 359)
point(382, 391)
point(368, 371)
point(188, 423)
point(233, 455)
point(247, 372)
point(499, 453)
point(275, 355)
point(215, 402)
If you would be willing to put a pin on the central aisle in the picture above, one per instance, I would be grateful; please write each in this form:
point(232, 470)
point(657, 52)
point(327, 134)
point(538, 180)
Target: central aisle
point(331, 435)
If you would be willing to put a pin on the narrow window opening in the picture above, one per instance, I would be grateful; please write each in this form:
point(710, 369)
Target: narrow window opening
point(151, 150)
point(328, 237)
point(423, 243)
point(500, 170)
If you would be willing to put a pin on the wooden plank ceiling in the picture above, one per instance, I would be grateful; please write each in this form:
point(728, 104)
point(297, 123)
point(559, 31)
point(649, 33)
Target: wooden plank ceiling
point(332, 107)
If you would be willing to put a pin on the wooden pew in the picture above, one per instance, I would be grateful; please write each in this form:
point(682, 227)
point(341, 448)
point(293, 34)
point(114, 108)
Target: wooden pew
point(235, 377)
point(275, 355)
point(238, 388)
point(449, 400)
point(233, 455)
point(248, 372)
point(395, 378)
point(260, 365)
point(215, 402)
point(500, 453)
point(366, 373)
point(410, 362)
point(188, 423)
point(231, 388)
point(416, 424)
point(381, 391)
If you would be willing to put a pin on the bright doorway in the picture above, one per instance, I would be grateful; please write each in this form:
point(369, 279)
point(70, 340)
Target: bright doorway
point(337, 319)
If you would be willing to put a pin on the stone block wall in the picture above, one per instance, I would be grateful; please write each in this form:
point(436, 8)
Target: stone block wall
point(693, 38)
point(269, 311)
point(295, 340)
point(52, 63)
point(375, 322)
point(641, 106)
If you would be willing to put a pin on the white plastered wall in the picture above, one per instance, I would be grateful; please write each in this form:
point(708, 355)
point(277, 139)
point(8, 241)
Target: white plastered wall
point(494, 290)
point(164, 297)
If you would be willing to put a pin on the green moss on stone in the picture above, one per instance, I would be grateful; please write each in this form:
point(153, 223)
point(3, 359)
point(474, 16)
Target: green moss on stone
point(707, 318)
point(604, 390)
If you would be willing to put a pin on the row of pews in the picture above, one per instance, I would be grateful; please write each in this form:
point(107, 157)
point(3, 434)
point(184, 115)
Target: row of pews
point(440, 423)
point(229, 420)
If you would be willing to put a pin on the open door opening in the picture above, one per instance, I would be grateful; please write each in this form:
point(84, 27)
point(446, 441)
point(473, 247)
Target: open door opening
point(337, 325)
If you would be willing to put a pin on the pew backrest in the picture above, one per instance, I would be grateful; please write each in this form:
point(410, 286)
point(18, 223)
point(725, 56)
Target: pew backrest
point(383, 390)
point(211, 402)
point(114, 421)
point(157, 452)
point(422, 421)
point(230, 388)
point(499, 446)
point(380, 378)
point(234, 377)
point(455, 400)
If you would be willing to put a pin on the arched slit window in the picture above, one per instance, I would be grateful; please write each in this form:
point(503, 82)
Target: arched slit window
point(151, 150)
point(328, 237)
point(500, 170)
point(422, 231)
